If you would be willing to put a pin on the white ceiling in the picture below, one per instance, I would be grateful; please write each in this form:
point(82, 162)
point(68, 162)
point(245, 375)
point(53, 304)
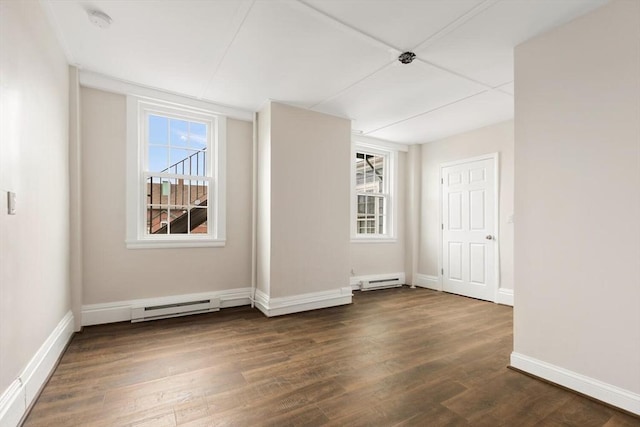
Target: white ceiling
point(337, 57)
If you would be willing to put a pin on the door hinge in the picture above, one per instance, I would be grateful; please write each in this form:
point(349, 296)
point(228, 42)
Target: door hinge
point(441, 180)
point(442, 226)
point(442, 271)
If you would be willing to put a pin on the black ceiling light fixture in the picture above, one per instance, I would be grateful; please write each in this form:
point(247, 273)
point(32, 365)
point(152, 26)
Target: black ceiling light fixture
point(407, 57)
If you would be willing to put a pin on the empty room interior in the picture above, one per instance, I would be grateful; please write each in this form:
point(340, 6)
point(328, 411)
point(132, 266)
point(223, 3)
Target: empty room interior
point(317, 212)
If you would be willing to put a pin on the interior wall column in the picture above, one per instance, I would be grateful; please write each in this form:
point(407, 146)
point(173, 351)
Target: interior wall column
point(413, 177)
point(75, 198)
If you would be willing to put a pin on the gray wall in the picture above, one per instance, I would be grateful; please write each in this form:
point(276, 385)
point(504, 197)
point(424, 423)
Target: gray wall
point(34, 243)
point(113, 273)
point(577, 235)
point(491, 139)
point(385, 257)
point(309, 193)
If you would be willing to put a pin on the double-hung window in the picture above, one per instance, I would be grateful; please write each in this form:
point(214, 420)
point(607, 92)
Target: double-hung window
point(372, 193)
point(175, 176)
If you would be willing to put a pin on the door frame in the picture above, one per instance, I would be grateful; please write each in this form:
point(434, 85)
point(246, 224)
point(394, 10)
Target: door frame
point(496, 205)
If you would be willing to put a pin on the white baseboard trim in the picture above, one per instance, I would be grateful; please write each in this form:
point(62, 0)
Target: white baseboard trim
point(602, 391)
point(429, 282)
point(286, 305)
point(120, 311)
point(18, 397)
point(13, 404)
point(354, 281)
point(505, 296)
point(262, 302)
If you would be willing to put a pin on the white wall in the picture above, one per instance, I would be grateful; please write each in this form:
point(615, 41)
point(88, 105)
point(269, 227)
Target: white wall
point(113, 273)
point(263, 226)
point(491, 139)
point(75, 198)
point(34, 243)
point(578, 201)
point(385, 257)
point(303, 209)
point(413, 183)
point(310, 199)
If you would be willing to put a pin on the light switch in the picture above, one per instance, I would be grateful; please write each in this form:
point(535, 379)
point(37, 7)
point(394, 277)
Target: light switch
point(11, 202)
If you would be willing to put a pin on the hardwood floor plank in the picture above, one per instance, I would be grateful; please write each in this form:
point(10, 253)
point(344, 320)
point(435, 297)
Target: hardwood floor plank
point(397, 357)
point(580, 410)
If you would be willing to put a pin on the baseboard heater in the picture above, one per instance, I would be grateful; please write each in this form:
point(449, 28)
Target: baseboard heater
point(370, 285)
point(183, 308)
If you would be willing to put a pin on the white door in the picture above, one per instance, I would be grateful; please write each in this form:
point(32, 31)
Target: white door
point(469, 243)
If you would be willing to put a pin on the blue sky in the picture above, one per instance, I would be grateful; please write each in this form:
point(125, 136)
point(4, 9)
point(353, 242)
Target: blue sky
point(172, 140)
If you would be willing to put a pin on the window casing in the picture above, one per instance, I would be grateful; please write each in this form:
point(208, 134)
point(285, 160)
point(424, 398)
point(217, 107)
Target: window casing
point(175, 175)
point(373, 193)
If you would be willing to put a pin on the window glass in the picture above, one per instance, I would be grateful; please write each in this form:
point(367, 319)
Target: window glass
point(178, 154)
point(371, 191)
point(174, 151)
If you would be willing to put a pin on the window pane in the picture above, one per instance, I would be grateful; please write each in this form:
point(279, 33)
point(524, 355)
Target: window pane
point(165, 191)
point(181, 161)
point(198, 193)
point(199, 220)
point(178, 220)
point(179, 132)
point(158, 130)
point(370, 179)
point(362, 203)
point(176, 206)
point(197, 162)
point(184, 220)
point(157, 219)
point(197, 135)
point(181, 192)
point(160, 190)
point(370, 214)
point(369, 173)
point(178, 171)
point(371, 205)
point(153, 190)
point(158, 159)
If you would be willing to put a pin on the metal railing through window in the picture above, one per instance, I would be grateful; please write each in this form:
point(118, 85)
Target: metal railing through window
point(174, 189)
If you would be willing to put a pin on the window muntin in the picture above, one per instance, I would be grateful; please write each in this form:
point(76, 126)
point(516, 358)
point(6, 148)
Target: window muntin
point(372, 216)
point(177, 173)
point(179, 201)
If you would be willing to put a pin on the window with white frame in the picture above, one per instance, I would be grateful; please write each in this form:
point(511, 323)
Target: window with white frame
point(372, 193)
point(175, 175)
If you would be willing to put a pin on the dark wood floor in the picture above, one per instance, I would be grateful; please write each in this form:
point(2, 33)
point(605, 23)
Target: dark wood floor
point(400, 357)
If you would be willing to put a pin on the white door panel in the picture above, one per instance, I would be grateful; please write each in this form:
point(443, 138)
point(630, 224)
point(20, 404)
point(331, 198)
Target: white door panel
point(476, 263)
point(477, 210)
point(455, 260)
point(455, 211)
point(468, 234)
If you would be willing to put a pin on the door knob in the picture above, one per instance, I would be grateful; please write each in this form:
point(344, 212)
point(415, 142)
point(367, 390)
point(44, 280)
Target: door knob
point(489, 237)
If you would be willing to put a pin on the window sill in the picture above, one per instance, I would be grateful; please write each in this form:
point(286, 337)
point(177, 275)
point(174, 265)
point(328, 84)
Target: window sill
point(172, 244)
point(373, 240)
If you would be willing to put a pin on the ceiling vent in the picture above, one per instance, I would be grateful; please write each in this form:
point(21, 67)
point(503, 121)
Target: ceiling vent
point(407, 57)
